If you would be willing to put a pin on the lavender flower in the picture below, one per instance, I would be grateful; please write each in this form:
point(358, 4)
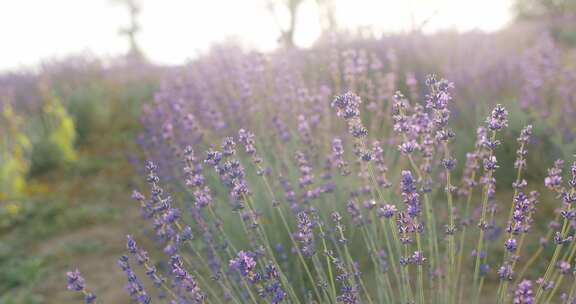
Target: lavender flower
point(498, 119)
point(563, 267)
point(386, 211)
point(135, 287)
point(523, 209)
point(554, 178)
point(521, 153)
point(306, 177)
point(281, 129)
point(524, 293)
point(505, 272)
point(202, 107)
point(409, 194)
point(381, 168)
point(229, 146)
point(76, 283)
point(348, 107)
point(337, 157)
point(305, 234)
point(245, 263)
point(75, 280)
point(511, 245)
point(142, 258)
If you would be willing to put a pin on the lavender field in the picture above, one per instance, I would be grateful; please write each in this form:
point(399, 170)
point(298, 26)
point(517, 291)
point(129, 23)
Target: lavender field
point(397, 168)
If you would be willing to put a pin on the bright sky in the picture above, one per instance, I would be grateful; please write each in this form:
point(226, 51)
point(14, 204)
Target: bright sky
point(176, 30)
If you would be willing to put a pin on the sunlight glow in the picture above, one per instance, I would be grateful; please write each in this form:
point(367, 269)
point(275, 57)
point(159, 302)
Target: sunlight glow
point(176, 30)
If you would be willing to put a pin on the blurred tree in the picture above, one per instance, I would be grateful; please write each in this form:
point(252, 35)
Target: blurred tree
point(130, 31)
point(555, 16)
point(327, 12)
point(548, 9)
point(286, 32)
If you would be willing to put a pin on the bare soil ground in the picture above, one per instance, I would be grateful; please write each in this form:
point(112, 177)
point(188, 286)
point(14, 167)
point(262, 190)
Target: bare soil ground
point(103, 186)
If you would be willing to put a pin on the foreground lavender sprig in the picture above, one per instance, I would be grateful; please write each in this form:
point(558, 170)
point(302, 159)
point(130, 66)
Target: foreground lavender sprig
point(497, 121)
point(76, 283)
point(562, 238)
point(331, 215)
point(520, 218)
point(135, 287)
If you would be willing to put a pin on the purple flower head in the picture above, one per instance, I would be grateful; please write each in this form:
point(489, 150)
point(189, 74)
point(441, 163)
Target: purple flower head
point(498, 119)
point(408, 183)
point(75, 280)
point(306, 177)
point(523, 293)
point(186, 234)
point(484, 269)
point(546, 285)
point(281, 129)
point(89, 298)
point(171, 215)
point(347, 106)
point(418, 258)
point(140, 255)
point(337, 157)
point(185, 281)
point(134, 286)
point(202, 197)
point(246, 138)
point(276, 292)
point(356, 128)
point(439, 96)
point(408, 147)
point(386, 211)
point(228, 147)
point(554, 178)
point(409, 194)
point(505, 272)
point(131, 245)
point(491, 163)
point(564, 267)
point(354, 211)
point(245, 263)
point(523, 210)
point(559, 239)
point(346, 103)
point(336, 217)
point(405, 227)
point(305, 233)
point(271, 272)
point(213, 157)
point(348, 295)
point(511, 244)
point(449, 163)
point(137, 196)
point(525, 134)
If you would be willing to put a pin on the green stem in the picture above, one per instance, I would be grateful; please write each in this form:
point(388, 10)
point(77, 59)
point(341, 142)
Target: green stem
point(481, 236)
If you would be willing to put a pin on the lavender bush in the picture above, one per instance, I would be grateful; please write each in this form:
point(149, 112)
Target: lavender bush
point(270, 182)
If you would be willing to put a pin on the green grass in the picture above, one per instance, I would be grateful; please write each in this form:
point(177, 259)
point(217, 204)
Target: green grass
point(84, 211)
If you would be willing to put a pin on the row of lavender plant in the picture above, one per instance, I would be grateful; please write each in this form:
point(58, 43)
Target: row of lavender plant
point(357, 198)
point(389, 234)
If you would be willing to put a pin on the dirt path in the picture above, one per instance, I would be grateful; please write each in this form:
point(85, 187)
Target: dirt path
point(98, 190)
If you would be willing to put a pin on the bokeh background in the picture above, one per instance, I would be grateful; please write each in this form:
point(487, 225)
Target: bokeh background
point(76, 75)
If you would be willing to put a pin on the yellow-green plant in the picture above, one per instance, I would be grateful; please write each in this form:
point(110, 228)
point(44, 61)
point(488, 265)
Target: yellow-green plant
point(14, 165)
point(61, 129)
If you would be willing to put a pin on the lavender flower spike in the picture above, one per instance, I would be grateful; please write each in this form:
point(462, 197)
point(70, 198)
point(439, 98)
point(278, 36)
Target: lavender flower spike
point(76, 283)
point(524, 293)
